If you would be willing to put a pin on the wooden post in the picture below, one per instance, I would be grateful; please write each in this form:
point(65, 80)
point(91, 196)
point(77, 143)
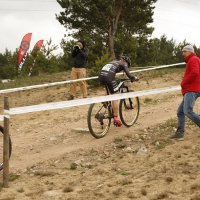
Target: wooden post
point(6, 145)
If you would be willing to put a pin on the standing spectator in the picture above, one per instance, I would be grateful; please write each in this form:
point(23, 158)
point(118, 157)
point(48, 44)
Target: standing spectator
point(190, 89)
point(80, 56)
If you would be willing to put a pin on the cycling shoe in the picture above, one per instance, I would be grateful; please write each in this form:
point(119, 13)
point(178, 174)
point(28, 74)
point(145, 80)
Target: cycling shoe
point(117, 122)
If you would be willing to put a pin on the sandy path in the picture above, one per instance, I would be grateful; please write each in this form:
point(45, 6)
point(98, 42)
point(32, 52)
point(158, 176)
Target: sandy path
point(52, 135)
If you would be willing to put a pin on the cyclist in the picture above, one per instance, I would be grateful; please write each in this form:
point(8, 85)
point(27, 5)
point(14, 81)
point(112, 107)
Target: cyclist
point(107, 78)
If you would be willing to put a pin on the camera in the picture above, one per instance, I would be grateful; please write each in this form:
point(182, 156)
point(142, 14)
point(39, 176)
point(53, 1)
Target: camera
point(76, 47)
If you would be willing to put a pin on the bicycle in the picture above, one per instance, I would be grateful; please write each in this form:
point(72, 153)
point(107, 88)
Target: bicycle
point(101, 114)
point(1, 147)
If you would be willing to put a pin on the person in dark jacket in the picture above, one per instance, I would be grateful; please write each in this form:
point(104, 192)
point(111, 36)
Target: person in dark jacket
point(190, 86)
point(80, 57)
point(107, 78)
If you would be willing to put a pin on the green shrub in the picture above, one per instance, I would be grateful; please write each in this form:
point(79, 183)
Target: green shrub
point(95, 70)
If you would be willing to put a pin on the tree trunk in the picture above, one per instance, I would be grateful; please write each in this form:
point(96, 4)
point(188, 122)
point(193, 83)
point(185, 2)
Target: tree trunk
point(111, 38)
point(113, 30)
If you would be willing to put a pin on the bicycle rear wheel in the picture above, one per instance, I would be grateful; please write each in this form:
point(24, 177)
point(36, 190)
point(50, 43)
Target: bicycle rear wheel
point(129, 110)
point(99, 119)
point(1, 147)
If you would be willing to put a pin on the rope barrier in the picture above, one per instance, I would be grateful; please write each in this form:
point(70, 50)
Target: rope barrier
point(82, 79)
point(86, 101)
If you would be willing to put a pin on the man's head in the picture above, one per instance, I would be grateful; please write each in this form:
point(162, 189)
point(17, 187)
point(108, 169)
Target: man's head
point(126, 59)
point(187, 50)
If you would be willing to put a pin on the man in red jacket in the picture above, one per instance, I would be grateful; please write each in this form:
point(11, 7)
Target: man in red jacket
point(190, 89)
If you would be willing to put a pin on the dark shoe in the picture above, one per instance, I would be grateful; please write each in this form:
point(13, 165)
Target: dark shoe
point(178, 135)
point(71, 97)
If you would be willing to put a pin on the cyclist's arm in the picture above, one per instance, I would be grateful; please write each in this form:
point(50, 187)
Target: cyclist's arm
point(130, 76)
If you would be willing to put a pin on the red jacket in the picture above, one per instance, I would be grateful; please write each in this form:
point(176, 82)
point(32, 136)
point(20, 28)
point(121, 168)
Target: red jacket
point(191, 79)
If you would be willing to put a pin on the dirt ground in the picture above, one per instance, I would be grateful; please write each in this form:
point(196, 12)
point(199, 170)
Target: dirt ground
point(54, 157)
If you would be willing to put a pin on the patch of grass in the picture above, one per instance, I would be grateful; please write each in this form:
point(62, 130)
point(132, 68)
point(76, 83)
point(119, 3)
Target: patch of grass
point(169, 123)
point(49, 183)
point(121, 145)
point(169, 179)
point(148, 100)
point(195, 186)
point(34, 80)
point(131, 195)
point(20, 190)
point(73, 166)
point(162, 195)
point(144, 192)
point(41, 173)
point(117, 191)
point(68, 189)
point(93, 152)
point(117, 140)
point(13, 177)
point(126, 181)
point(125, 173)
point(162, 144)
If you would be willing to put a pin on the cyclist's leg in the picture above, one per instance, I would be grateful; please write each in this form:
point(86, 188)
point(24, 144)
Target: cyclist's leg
point(113, 88)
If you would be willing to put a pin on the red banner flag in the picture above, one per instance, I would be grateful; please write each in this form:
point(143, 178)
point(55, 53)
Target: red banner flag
point(36, 48)
point(25, 44)
point(34, 54)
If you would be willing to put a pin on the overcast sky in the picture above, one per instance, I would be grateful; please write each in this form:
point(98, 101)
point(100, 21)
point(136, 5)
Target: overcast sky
point(177, 19)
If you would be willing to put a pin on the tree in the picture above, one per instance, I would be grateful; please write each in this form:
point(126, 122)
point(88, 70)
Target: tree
point(8, 62)
point(48, 48)
point(105, 18)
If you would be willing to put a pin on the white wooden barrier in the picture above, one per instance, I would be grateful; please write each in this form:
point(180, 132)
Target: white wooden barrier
point(85, 101)
point(81, 79)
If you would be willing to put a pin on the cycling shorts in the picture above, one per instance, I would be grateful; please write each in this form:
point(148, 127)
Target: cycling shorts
point(110, 83)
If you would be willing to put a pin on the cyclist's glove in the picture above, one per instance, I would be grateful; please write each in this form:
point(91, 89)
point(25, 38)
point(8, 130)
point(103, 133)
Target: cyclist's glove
point(135, 78)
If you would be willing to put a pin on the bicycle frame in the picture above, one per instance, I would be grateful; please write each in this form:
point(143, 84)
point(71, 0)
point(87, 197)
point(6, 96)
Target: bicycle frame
point(101, 114)
point(122, 89)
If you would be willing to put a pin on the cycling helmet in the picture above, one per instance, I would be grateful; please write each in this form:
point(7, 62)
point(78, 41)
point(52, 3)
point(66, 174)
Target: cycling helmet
point(126, 59)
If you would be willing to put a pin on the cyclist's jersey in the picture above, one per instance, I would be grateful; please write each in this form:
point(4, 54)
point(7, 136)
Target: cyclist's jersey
point(108, 72)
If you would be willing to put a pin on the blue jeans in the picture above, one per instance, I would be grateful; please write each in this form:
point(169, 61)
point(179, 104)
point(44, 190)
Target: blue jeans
point(186, 109)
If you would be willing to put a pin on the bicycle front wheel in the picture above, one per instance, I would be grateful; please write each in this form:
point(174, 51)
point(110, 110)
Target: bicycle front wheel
point(129, 110)
point(99, 119)
point(1, 147)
